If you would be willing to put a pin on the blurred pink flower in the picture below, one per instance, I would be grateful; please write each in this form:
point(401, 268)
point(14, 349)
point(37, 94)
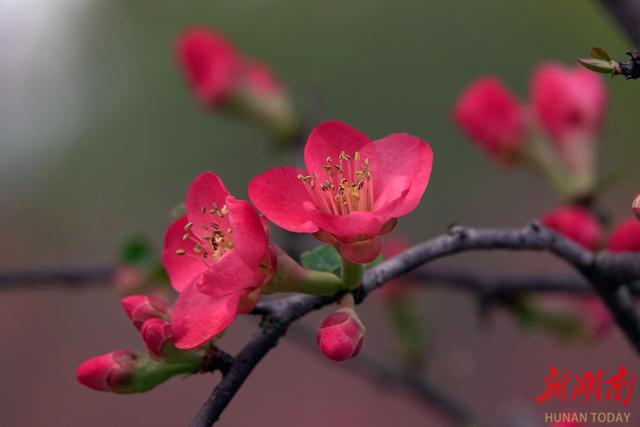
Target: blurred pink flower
point(353, 190)
point(626, 237)
point(577, 224)
point(569, 102)
point(492, 117)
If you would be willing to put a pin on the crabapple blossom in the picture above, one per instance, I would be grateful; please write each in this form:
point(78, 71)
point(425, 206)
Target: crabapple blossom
point(352, 191)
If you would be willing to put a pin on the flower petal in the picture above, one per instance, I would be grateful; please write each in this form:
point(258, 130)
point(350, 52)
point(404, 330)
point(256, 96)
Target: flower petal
point(328, 139)
point(229, 274)
point(357, 225)
point(362, 252)
point(197, 318)
point(279, 195)
point(249, 236)
point(402, 161)
point(182, 269)
point(206, 191)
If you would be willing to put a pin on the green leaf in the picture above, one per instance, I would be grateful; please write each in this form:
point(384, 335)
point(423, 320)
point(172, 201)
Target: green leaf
point(136, 250)
point(597, 65)
point(322, 258)
point(599, 53)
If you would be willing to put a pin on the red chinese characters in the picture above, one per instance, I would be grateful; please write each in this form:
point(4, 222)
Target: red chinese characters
point(589, 386)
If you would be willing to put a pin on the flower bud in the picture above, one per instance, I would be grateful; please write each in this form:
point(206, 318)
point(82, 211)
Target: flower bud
point(492, 118)
point(223, 79)
point(156, 334)
point(109, 372)
point(569, 104)
point(341, 334)
point(577, 224)
point(568, 101)
point(635, 206)
point(626, 238)
point(141, 308)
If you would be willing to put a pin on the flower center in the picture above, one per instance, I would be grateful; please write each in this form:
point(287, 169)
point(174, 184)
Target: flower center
point(344, 185)
point(211, 239)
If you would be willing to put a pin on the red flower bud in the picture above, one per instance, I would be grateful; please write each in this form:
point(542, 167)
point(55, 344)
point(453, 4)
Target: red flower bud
point(109, 372)
point(140, 308)
point(626, 238)
point(577, 224)
point(568, 101)
point(156, 333)
point(492, 118)
point(341, 334)
point(635, 206)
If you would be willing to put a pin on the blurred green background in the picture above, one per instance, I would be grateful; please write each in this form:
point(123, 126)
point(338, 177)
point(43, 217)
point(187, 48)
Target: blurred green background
point(100, 136)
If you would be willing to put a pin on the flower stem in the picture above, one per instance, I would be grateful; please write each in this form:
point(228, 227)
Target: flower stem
point(351, 274)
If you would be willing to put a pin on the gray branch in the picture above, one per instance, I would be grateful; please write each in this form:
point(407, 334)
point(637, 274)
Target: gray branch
point(605, 272)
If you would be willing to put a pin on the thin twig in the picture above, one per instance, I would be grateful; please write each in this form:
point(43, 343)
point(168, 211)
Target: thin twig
point(67, 276)
point(627, 14)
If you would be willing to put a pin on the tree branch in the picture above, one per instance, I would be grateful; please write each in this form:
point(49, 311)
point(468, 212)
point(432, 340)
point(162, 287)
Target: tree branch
point(68, 276)
point(605, 271)
point(627, 14)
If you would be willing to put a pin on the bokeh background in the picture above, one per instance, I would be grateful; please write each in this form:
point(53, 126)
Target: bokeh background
point(99, 138)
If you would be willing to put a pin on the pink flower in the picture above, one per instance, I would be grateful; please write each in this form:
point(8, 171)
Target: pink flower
point(626, 238)
point(353, 190)
point(492, 117)
point(109, 372)
point(635, 206)
point(341, 335)
point(217, 257)
point(156, 333)
point(260, 78)
point(577, 224)
point(211, 64)
point(569, 102)
point(141, 308)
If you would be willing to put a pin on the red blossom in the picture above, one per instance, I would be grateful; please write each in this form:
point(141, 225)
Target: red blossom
point(626, 237)
point(341, 335)
point(569, 102)
point(576, 223)
point(217, 257)
point(211, 64)
point(109, 372)
point(352, 191)
point(492, 118)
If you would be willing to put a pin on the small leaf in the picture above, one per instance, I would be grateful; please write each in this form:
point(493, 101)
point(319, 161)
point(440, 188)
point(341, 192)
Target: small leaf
point(136, 250)
point(322, 258)
point(600, 53)
point(597, 65)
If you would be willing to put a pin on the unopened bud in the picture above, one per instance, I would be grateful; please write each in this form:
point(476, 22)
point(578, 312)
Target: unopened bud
point(341, 335)
point(156, 334)
point(635, 206)
point(141, 308)
point(109, 372)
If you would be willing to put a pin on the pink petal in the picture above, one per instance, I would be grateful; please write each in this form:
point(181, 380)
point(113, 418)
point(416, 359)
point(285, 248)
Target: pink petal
point(197, 318)
point(328, 139)
point(279, 195)
point(357, 225)
point(402, 162)
point(362, 252)
point(182, 269)
point(230, 274)
point(249, 236)
point(206, 190)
